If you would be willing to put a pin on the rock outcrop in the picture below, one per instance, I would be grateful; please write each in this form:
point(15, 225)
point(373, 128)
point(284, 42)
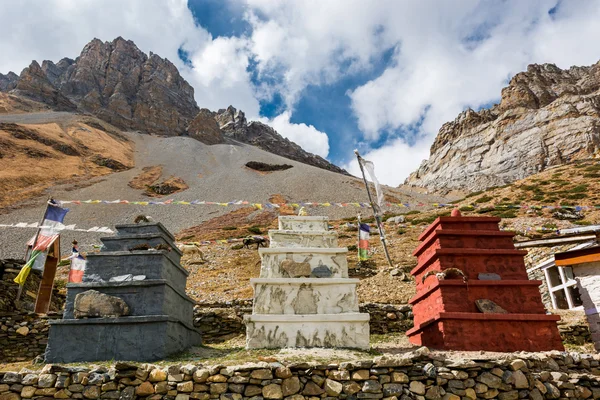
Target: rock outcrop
point(547, 116)
point(120, 84)
point(233, 124)
point(34, 85)
point(205, 128)
point(8, 81)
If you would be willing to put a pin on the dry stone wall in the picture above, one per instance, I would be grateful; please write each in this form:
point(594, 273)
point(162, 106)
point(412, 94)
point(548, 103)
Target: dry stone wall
point(217, 322)
point(221, 321)
point(416, 375)
point(23, 336)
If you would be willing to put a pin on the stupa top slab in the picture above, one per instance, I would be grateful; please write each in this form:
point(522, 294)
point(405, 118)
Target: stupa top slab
point(344, 317)
point(304, 281)
point(459, 232)
point(306, 218)
point(308, 233)
point(143, 227)
point(302, 250)
point(440, 222)
point(467, 253)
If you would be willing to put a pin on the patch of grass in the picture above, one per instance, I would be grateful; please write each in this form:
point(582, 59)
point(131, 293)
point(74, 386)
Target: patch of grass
point(549, 226)
point(505, 213)
point(484, 199)
point(424, 220)
point(401, 231)
point(466, 208)
point(412, 212)
point(595, 175)
point(579, 189)
point(238, 246)
point(506, 199)
point(576, 196)
point(485, 210)
point(583, 222)
point(188, 237)
point(229, 228)
point(544, 183)
point(254, 229)
point(352, 247)
point(474, 194)
point(538, 197)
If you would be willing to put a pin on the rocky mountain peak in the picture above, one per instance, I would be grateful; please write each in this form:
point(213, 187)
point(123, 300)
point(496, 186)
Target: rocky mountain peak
point(546, 116)
point(120, 84)
point(8, 81)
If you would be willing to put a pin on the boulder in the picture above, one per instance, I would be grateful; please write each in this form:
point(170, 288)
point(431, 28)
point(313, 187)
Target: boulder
point(93, 304)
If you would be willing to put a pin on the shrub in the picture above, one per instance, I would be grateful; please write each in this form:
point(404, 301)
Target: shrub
point(401, 231)
point(466, 208)
point(549, 226)
point(412, 212)
point(505, 214)
point(238, 246)
point(579, 189)
point(474, 194)
point(229, 228)
point(260, 166)
point(583, 222)
point(577, 196)
point(254, 229)
point(352, 247)
point(484, 199)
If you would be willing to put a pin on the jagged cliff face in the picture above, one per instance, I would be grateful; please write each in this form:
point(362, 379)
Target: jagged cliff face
point(547, 116)
point(120, 84)
point(117, 82)
point(233, 124)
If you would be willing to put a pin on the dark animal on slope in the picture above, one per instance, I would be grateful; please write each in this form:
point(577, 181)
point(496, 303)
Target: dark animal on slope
point(142, 218)
point(143, 246)
point(447, 273)
point(259, 241)
point(162, 247)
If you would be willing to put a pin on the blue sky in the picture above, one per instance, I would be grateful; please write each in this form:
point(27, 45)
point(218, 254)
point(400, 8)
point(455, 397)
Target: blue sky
point(330, 75)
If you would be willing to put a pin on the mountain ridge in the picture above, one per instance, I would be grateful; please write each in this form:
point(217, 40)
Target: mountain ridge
point(118, 83)
point(546, 117)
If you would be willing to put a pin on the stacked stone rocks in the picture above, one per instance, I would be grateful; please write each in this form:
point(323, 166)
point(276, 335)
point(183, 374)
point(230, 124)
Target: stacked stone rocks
point(23, 335)
point(416, 375)
point(112, 316)
point(304, 297)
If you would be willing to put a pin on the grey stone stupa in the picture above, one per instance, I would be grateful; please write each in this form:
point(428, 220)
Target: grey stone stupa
point(131, 304)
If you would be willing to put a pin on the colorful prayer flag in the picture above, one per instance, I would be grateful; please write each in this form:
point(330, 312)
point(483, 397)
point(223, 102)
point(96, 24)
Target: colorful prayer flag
point(364, 233)
point(78, 264)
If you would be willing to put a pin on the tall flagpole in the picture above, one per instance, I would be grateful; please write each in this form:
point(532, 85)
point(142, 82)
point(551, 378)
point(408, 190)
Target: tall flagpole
point(35, 239)
point(375, 211)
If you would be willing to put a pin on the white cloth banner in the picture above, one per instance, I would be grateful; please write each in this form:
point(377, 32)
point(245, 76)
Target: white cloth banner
point(370, 167)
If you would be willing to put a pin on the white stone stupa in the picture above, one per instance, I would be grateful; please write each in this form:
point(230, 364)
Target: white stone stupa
point(303, 297)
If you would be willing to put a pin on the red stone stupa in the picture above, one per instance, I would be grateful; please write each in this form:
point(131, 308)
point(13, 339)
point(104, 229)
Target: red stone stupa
point(445, 312)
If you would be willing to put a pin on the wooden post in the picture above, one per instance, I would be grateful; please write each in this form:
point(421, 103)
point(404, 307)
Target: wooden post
point(375, 212)
point(35, 239)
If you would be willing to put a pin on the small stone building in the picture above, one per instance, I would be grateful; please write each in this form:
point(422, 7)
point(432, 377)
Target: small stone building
point(585, 265)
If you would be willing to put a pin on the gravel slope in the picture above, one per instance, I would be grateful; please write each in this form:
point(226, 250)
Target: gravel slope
point(214, 173)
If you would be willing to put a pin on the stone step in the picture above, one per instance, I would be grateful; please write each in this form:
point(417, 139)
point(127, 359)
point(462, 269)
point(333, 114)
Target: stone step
point(145, 338)
point(304, 296)
point(282, 262)
point(133, 242)
point(155, 228)
point(294, 223)
point(327, 330)
point(147, 297)
point(295, 239)
point(154, 264)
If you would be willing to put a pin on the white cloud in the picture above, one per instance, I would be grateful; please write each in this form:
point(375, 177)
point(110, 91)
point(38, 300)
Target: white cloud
point(307, 136)
point(393, 162)
point(60, 28)
point(447, 55)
